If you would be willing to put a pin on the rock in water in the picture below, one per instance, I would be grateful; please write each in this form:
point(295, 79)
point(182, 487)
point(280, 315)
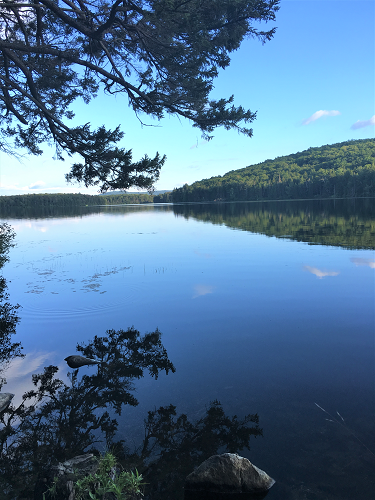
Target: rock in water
point(5, 399)
point(228, 473)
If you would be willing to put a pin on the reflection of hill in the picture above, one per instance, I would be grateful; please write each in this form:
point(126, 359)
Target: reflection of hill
point(348, 224)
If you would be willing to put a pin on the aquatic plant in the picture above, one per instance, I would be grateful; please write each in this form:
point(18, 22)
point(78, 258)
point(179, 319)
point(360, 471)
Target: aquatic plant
point(342, 422)
point(123, 485)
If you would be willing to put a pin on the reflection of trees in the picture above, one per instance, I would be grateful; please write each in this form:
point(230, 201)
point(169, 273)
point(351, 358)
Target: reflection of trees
point(8, 312)
point(344, 223)
point(75, 210)
point(57, 421)
point(173, 446)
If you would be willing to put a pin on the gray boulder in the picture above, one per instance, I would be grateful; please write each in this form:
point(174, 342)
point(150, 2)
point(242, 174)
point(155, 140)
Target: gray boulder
point(228, 473)
point(5, 399)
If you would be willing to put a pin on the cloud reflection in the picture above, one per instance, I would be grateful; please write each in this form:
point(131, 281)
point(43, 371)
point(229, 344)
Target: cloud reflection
point(18, 373)
point(200, 254)
point(202, 290)
point(319, 273)
point(363, 262)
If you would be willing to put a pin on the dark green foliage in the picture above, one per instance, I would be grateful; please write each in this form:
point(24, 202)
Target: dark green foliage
point(346, 169)
point(8, 312)
point(109, 482)
point(7, 235)
point(42, 201)
point(162, 54)
point(30, 201)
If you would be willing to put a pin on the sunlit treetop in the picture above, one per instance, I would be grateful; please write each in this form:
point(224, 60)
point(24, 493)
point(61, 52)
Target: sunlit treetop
point(163, 54)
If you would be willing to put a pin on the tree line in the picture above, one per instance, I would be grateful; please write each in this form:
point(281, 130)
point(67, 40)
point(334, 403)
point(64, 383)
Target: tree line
point(29, 201)
point(342, 170)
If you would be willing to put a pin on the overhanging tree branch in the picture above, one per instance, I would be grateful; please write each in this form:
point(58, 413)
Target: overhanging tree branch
point(163, 54)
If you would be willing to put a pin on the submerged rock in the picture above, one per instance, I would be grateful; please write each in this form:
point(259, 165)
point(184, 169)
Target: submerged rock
point(228, 474)
point(76, 361)
point(5, 399)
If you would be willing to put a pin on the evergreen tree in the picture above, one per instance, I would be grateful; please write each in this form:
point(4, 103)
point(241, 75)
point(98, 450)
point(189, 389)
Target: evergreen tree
point(162, 54)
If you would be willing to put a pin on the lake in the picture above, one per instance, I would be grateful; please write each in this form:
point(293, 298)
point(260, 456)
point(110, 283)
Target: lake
point(265, 307)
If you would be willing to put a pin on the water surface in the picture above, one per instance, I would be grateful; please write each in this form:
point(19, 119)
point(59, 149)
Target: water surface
point(267, 308)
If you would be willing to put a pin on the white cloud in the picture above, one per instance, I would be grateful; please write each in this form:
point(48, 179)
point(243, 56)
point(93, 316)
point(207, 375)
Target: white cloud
point(37, 185)
point(318, 114)
point(363, 123)
point(319, 273)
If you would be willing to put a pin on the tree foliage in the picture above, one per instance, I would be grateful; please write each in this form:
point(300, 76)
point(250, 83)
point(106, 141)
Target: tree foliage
point(346, 169)
point(162, 54)
point(55, 200)
point(8, 312)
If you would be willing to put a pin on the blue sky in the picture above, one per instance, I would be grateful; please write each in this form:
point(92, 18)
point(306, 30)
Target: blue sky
point(312, 84)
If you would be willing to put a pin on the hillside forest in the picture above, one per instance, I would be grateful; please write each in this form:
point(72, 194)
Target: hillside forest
point(343, 170)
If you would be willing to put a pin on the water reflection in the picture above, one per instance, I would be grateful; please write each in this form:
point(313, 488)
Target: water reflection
point(174, 446)
point(261, 334)
point(348, 223)
point(8, 313)
point(320, 273)
point(344, 223)
point(57, 421)
point(201, 289)
point(363, 262)
point(56, 212)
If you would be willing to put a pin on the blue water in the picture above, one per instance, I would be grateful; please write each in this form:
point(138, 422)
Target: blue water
point(262, 324)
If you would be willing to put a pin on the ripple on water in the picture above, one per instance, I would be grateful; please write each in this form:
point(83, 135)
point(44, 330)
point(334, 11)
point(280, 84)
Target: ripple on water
point(98, 304)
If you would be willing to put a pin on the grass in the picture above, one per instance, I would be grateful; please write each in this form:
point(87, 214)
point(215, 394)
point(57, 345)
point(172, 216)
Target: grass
point(107, 479)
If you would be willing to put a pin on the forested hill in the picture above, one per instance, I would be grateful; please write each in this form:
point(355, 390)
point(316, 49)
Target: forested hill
point(346, 169)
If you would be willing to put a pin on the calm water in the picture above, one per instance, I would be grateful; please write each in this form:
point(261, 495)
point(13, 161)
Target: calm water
point(267, 308)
